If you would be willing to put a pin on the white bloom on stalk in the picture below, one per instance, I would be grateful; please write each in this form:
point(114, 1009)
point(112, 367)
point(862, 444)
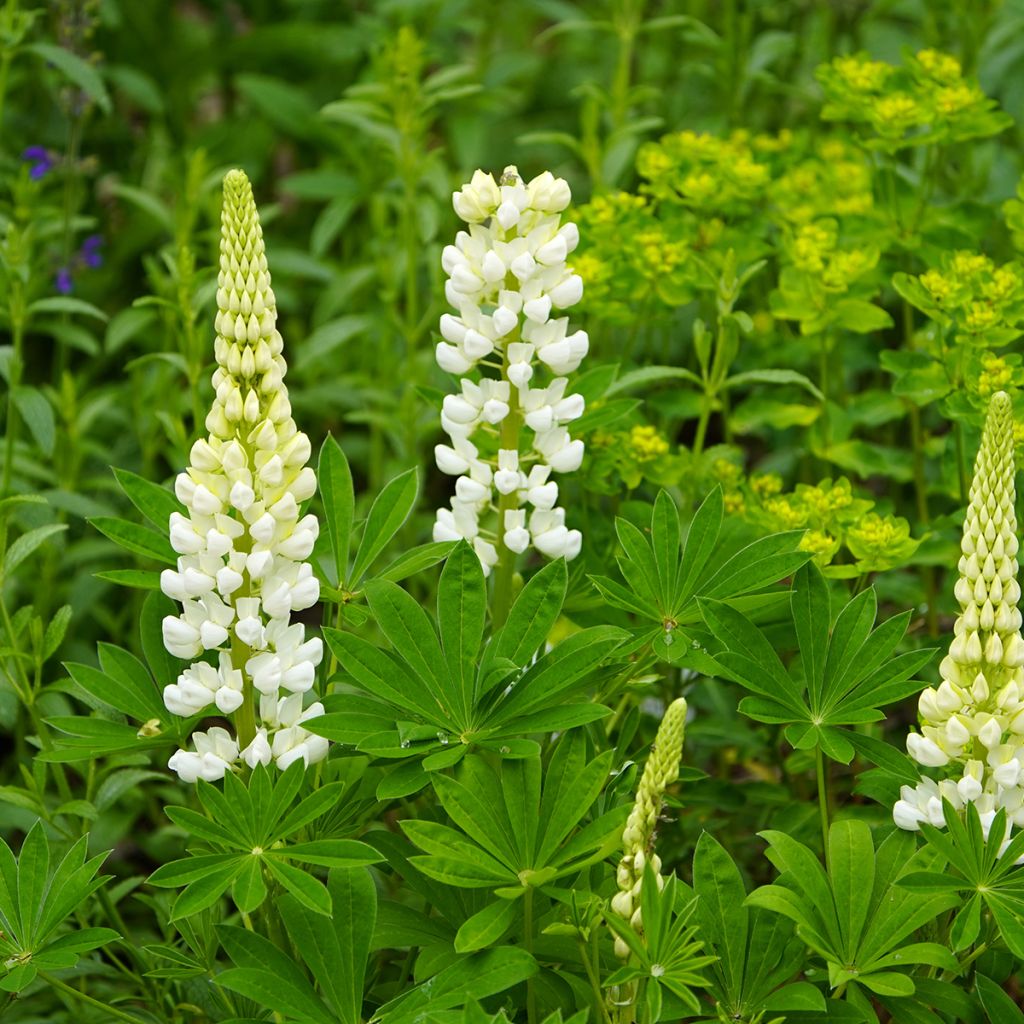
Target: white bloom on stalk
point(507, 280)
point(972, 724)
point(243, 543)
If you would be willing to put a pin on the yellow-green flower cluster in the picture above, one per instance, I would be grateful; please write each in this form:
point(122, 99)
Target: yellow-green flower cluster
point(836, 521)
point(706, 173)
point(972, 724)
point(925, 100)
point(628, 457)
point(661, 770)
point(833, 181)
point(980, 300)
point(630, 259)
point(814, 248)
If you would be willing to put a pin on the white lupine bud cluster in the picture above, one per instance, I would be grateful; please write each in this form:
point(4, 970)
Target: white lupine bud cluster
point(972, 724)
point(506, 276)
point(661, 770)
point(243, 544)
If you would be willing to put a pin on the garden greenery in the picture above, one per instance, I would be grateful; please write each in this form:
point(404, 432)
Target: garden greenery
point(697, 696)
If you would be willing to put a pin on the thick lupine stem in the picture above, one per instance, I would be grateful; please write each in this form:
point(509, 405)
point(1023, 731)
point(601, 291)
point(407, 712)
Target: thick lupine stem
point(243, 545)
point(504, 575)
point(972, 725)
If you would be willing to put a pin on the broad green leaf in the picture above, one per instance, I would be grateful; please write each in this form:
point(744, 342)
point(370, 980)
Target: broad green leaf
point(477, 976)
point(154, 502)
point(811, 617)
point(851, 861)
point(77, 70)
point(389, 511)
point(139, 540)
point(334, 480)
point(533, 614)
point(27, 543)
point(461, 612)
point(410, 632)
point(37, 413)
point(700, 543)
point(725, 920)
point(487, 926)
point(249, 889)
point(665, 545)
point(269, 977)
point(305, 888)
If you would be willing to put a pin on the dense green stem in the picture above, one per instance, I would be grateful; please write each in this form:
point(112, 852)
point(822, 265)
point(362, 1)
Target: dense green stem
point(504, 573)
point(15, 368)
point(531, 993)
point(82, 997)
point(819, 769)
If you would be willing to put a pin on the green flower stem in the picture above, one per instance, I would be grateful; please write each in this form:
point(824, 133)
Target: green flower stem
point(531, 992)
point(504, 573)
point(920, 481)
point(589, 958)
point(17, 313)
point(819, 770)
point(823, 386)
point(113, 1011)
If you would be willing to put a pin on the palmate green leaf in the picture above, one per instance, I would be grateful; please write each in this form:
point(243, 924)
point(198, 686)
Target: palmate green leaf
point(388, 513)
point(998, 1006)
point(487, 926)
point(461, 613)
point(852, 867)
point(139, 540)
point(476, 976)
point(337, 955)
point(122, 683)
point(249, 889)
point(308, 890)
point(700, 541)
point(758, 565)
point(334, 479)
point(665, 539)
point(384, 677)
point(154, 502)
point(845, 675)
point(533, 615)
point(269, 977)
point(812, 618)
point(410, 632)
point(330, 853)
point(555, 674)
point(724, 919)
point(638, 566)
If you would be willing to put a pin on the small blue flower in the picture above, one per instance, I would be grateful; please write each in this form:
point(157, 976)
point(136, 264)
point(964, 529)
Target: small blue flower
point(41, 161)
point(90, 253)
point(63, 281)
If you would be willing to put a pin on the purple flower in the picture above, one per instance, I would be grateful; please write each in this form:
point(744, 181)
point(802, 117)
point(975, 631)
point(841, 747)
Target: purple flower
point(40, 159)
point(90, 253)
point(63, 281)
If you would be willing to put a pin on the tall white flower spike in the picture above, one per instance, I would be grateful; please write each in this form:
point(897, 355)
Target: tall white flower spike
point(972, 724)
point(243, 544)
point(507, 279)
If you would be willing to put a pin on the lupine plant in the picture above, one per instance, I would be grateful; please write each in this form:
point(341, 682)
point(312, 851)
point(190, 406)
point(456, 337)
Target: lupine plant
point(561, 594)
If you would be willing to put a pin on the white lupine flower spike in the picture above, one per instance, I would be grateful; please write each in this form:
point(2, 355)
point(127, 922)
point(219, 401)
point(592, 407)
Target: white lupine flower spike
point(508, 279)
point(243, 545)
point(972, 724)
